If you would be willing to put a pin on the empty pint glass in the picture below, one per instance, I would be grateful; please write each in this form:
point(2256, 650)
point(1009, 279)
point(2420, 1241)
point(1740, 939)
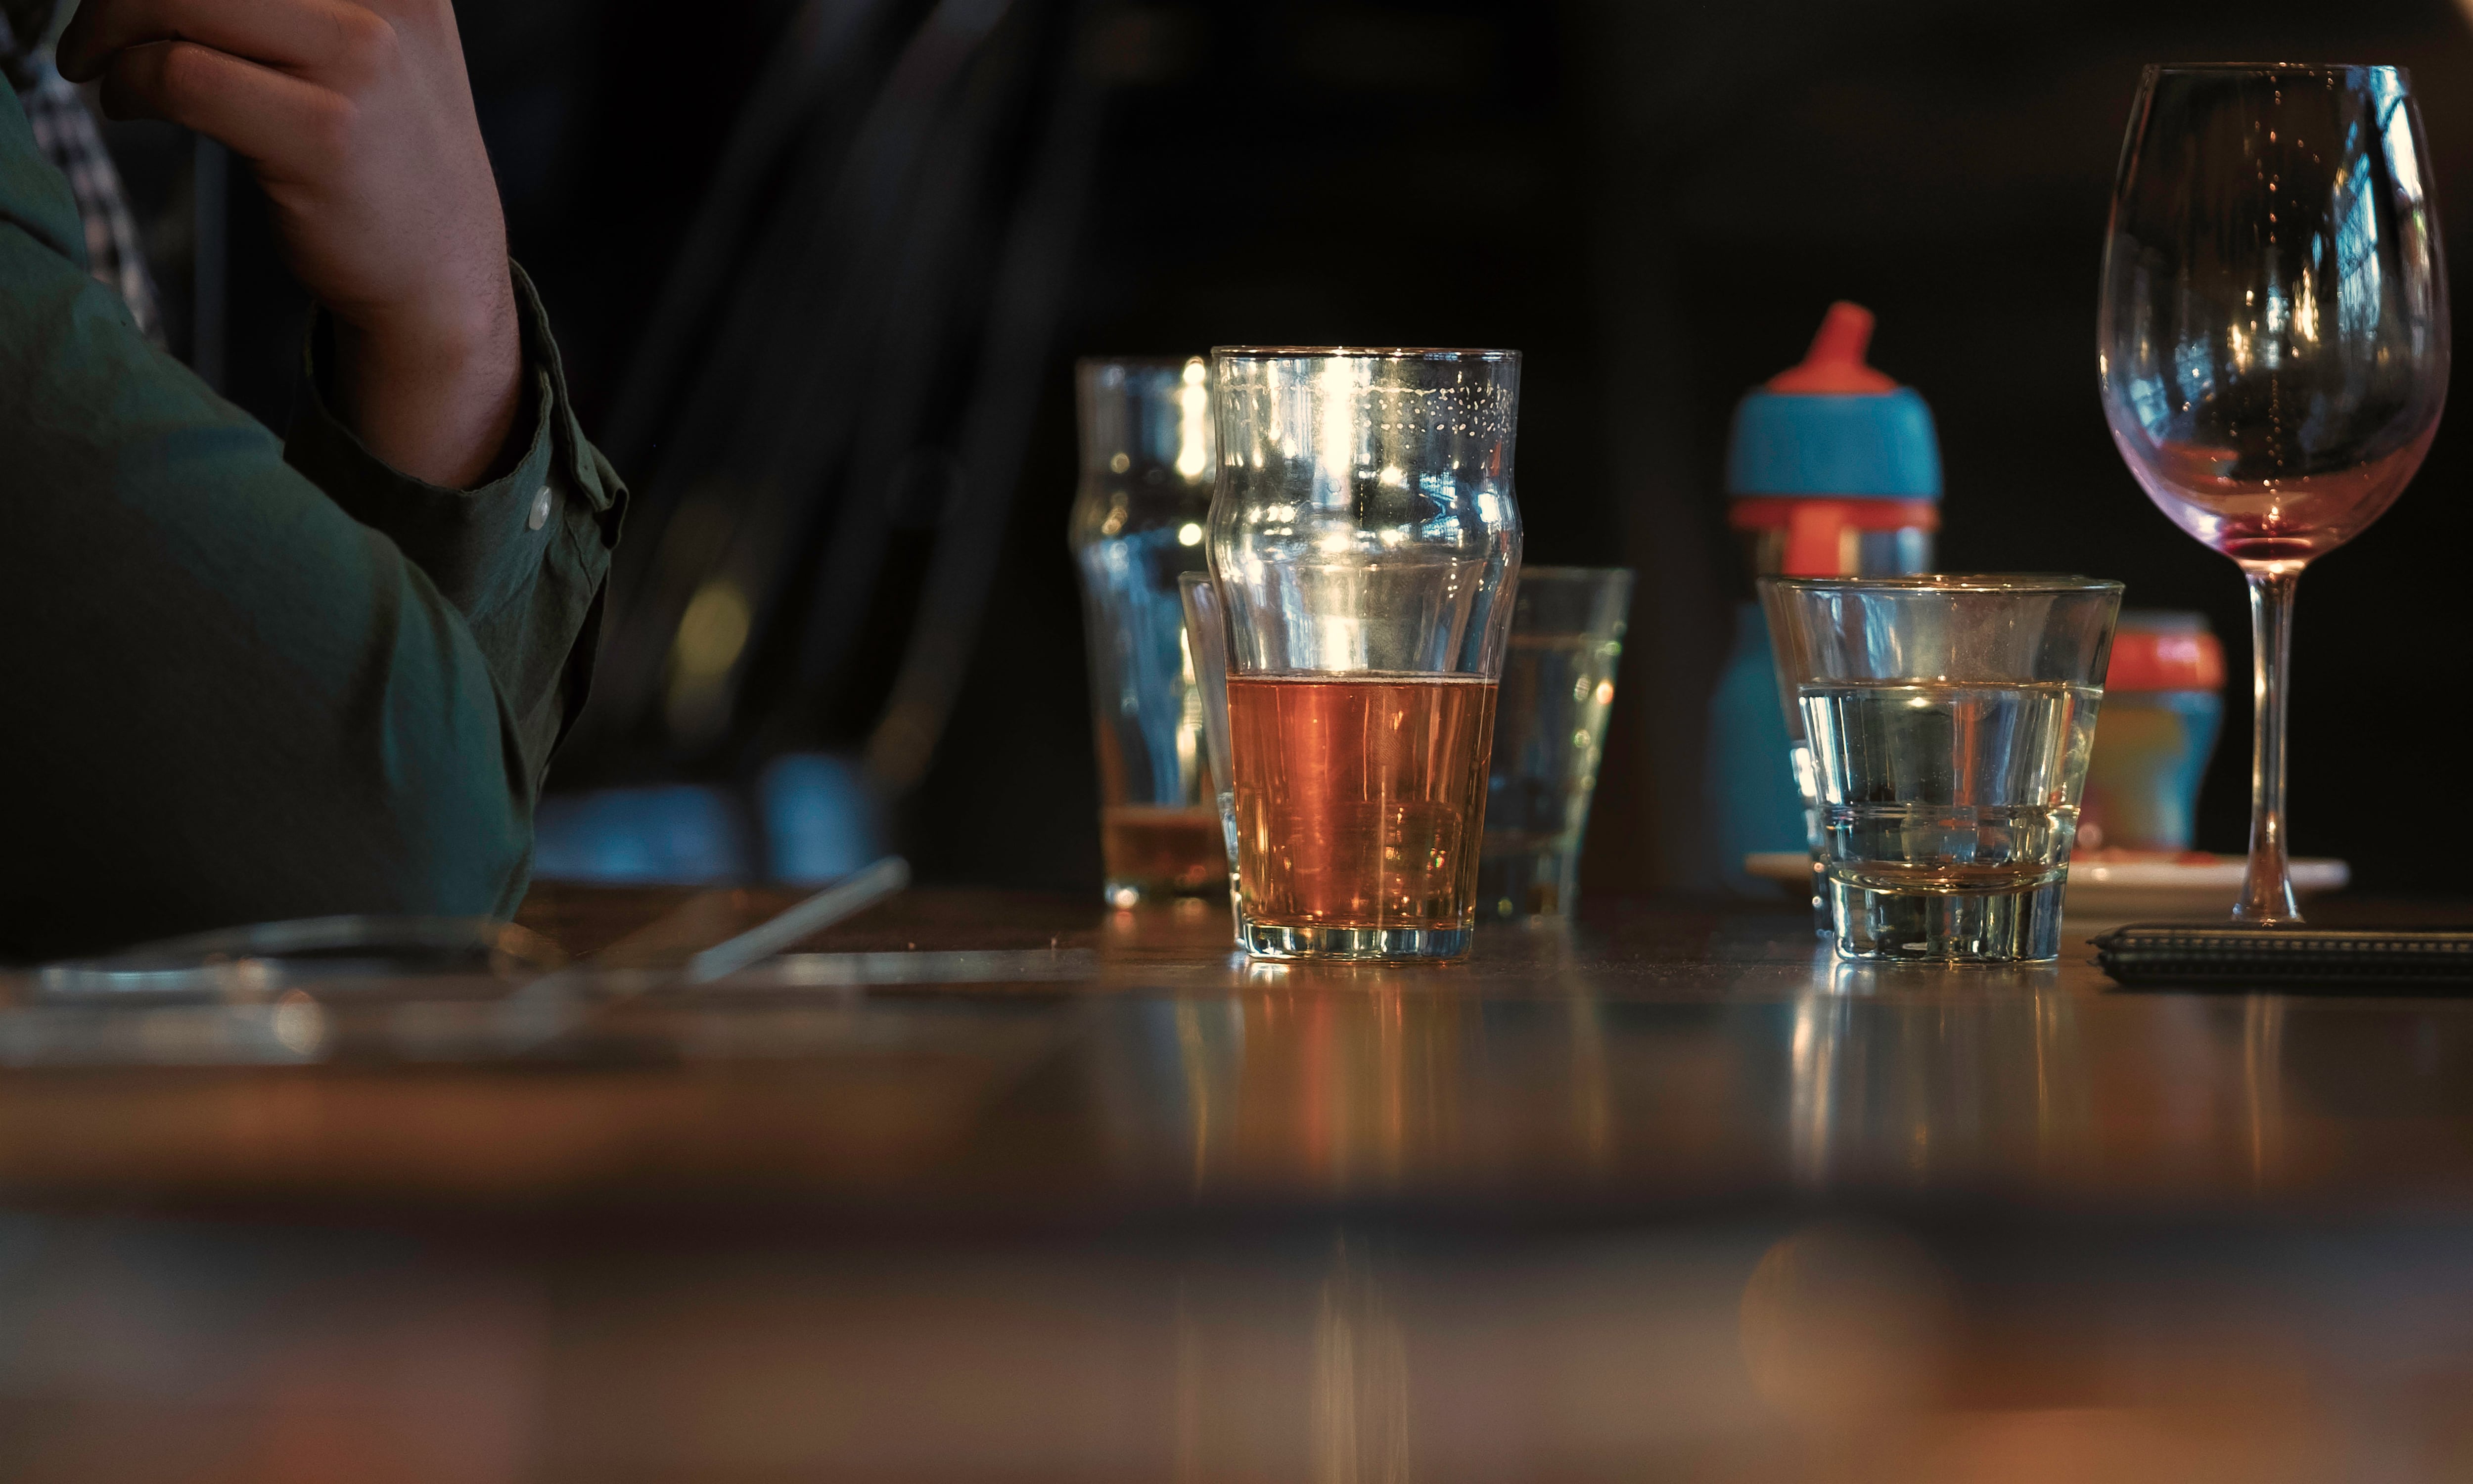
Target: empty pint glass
point(1146, 468)
point(1364, 542)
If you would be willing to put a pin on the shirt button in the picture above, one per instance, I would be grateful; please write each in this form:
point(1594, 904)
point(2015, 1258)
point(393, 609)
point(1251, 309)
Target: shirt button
point(541, 511)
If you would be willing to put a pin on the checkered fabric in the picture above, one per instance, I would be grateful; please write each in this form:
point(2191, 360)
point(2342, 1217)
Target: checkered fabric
point(66, 134)
point(30, 19)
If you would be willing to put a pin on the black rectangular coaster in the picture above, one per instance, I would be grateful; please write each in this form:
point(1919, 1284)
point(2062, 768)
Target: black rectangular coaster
point(2231, 957)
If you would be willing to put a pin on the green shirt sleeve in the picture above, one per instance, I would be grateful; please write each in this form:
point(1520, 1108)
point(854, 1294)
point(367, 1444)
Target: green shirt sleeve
point(243, 688)
point(524, 557)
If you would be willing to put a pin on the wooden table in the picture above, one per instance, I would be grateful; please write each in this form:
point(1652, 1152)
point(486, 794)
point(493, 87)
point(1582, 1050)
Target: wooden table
point(978, 1186)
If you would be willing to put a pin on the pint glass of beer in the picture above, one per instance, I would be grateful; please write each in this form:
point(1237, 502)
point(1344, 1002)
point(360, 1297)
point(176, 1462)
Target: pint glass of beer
point(1364, 541)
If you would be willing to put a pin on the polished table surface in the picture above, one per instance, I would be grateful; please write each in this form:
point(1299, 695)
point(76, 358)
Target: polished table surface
point(1035, 1056)
point(977, 1186)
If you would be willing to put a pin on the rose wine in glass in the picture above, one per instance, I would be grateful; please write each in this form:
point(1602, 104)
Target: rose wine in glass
point(2272, 341)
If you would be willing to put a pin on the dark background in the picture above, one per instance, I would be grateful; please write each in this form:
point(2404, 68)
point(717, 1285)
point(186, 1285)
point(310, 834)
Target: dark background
point(1655, 203)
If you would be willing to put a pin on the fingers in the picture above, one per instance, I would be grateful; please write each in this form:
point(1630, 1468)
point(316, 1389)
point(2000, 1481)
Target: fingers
point(269, 117)
point(302, 36)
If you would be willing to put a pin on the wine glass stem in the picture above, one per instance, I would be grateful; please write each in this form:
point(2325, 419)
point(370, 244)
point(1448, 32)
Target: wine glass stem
point(2266, 890)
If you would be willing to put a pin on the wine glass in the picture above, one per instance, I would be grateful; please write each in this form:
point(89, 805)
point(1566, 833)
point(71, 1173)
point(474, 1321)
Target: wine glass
point(2272, 341)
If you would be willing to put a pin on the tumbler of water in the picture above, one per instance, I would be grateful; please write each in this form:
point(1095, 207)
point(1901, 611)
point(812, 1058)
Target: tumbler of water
point(1147, 468)
point(1949, 720)
point(1549, 733)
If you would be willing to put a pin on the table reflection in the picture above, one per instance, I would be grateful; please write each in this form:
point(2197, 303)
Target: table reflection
point(1373, 1082)
point(977, 1189)
point(1643, 1056)
point(1755, 1348)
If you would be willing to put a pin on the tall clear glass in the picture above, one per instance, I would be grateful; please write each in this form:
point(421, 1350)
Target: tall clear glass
point(2272, 343)
point(1364, 541)
point(1206, 640)
point(1549, 733)
point(1147, 465)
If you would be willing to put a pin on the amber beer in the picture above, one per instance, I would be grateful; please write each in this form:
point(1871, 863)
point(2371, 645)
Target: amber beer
point(1366, 546)
point(1169, 850)
point(1360, 799)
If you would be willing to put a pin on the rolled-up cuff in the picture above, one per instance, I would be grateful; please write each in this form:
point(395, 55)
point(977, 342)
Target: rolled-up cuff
point(523, 557)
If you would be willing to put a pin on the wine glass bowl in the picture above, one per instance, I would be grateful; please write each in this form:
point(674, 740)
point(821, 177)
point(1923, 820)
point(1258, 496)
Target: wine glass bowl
point(2270, 520)
point(2272, 341)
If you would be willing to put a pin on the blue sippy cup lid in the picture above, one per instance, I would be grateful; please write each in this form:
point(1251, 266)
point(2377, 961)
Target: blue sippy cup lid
point(1835, 426)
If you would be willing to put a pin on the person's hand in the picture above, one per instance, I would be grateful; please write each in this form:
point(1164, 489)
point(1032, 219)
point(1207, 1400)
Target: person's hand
point(358, 118)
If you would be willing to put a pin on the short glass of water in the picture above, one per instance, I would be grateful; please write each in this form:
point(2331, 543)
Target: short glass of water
point(1549, 734)
point(1949, 720)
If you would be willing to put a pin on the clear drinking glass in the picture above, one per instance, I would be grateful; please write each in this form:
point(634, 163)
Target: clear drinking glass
point(1949, 720)
point(2272, 340)
point(1147, 465)
point(1365, 542)
point(1549, 731)
point(1206, 640)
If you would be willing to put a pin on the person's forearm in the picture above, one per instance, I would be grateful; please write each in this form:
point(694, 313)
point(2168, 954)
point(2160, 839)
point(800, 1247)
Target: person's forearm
point(435, 403)
point(522, 554)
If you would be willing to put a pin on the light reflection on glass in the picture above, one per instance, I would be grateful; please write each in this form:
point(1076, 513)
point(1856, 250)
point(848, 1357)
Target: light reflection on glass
point(1194, 431)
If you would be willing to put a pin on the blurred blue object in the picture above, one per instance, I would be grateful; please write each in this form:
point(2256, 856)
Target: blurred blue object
point(1810, 450)
point(814, 819)
point(820, 818)
point(1752, 801)
point(673, 833)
